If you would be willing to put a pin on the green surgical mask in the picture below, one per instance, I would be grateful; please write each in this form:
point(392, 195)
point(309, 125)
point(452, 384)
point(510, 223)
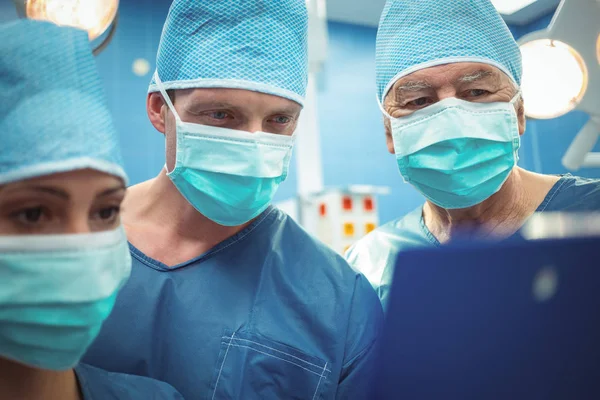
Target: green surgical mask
point(55, 293)
point(457, 153)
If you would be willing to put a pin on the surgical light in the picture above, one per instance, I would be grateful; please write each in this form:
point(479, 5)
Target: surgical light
point(561, 72)
point(555, 78)
point(598, 48)
point(96, 17)
point(509, 7)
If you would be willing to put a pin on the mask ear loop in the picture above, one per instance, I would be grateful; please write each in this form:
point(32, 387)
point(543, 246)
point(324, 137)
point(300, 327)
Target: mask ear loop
point(385, 113)
point(165, 95)
point(512, 102)
point(169, 103)
point(516, 97)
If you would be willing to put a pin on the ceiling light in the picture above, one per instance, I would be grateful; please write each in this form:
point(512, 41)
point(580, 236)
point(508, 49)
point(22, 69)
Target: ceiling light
point(554, 80)
point(598, 48)
point(509, 7)
point(93, 16)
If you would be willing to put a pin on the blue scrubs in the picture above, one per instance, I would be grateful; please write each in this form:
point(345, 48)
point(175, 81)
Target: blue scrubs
point(97, 384)
point(375, 254)
point(270, 313)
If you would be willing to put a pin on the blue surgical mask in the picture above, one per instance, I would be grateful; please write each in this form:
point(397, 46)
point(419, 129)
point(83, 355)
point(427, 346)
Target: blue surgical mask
point(457, 153)
point(55, 293)
point(229, 176)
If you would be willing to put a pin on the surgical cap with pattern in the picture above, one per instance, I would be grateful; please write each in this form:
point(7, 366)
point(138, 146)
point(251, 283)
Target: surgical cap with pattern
point(258, 45)
point(417, 34)
point(53, 112)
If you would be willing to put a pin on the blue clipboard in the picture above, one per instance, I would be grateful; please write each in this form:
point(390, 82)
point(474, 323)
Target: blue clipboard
point(515, 320)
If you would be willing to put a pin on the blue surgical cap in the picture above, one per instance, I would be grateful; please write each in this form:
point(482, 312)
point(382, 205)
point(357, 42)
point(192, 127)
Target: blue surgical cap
point(258, 45)
point(53, 113)
point(418, 34)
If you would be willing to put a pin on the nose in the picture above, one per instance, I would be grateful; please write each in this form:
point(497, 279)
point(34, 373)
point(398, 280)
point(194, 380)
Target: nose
point(446, 92)
point(77, 225)
point(254, 125)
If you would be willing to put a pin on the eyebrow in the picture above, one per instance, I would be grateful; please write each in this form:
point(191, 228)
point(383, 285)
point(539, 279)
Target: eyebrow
point(476, 76)
point(114, 190)
point(202, 107)
point(287, 110)
point(410, 87)
point(50, 190)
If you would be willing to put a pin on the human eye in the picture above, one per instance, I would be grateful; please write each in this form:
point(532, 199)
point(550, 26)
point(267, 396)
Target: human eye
point(474, 93)
point(419, 103)
point(107, 215)
point(31, 215)
point(281, 120)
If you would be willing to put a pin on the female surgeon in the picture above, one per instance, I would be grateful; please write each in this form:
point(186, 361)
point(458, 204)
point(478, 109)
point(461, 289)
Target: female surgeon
point(63, 253)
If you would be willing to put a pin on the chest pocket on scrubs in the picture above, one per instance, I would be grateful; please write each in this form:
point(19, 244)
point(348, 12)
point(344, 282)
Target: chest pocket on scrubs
point(252, 367)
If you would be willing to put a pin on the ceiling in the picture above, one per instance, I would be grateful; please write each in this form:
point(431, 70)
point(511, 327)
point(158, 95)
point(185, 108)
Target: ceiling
point(367, 12)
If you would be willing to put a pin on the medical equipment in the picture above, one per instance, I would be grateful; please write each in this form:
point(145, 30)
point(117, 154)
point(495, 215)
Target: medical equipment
point(97, 17)
point(562, 73)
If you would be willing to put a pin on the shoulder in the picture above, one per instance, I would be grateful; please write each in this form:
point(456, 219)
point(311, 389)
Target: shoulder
point(97, 384)
point(294, 242)
point(573, 193)
point(317, 269)
point(377, 251)
point(314, 264)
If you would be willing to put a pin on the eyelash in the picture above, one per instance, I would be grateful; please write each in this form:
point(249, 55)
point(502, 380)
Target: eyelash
point(288, 120)
point(21, 215)
point(464, 94)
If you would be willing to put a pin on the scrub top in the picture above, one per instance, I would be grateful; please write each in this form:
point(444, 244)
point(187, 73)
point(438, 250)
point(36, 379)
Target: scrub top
point(96, 384)
point(375, 254)
point(270, 313)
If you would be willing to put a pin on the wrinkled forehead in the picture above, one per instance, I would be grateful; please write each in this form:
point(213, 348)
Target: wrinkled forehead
point(454, 74)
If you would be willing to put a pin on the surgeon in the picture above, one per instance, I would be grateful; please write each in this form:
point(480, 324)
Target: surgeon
point(63, 252)
point(448, 82)
point(229, 298)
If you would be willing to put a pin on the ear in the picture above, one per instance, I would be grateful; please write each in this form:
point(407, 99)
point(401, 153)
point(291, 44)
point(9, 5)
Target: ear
point(388, 135)
point(156, 109)
point(521, 116)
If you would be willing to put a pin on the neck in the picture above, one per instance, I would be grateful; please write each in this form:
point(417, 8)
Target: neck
point(18, 381)
point(162, 224)
point(499, 216)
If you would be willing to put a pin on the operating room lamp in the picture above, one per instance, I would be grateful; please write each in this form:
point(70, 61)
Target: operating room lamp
point(97, 17)
point(561, 73)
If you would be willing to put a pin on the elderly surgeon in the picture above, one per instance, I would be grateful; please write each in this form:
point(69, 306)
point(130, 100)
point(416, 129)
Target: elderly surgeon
point(63, 252)
point(448, 80)
point(229, 298)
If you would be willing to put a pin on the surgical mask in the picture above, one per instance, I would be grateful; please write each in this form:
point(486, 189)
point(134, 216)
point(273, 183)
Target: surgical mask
point(229, 176)
point(457, 153)
point(55, 293)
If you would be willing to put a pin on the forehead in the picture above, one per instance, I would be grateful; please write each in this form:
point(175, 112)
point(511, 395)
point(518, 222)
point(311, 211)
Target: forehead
point(239, 98)
point(451, 74)
point(83, 177)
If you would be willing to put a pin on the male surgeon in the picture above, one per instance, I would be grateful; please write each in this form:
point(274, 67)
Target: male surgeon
point(448, 81)
point(229, 298)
